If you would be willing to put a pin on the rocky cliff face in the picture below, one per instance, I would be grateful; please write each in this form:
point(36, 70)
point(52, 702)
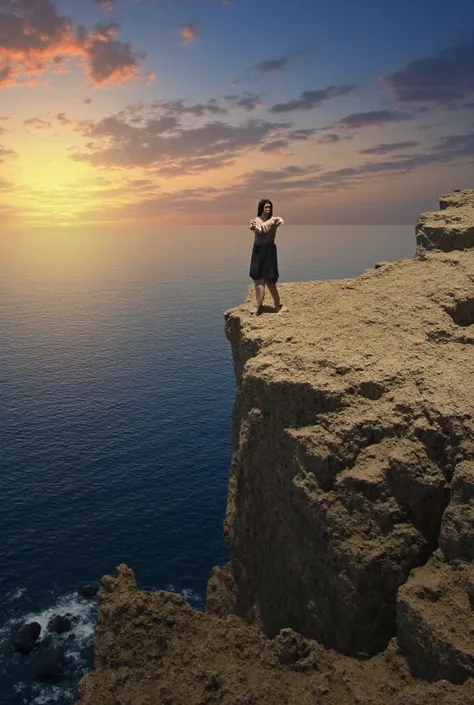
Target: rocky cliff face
point(353, 457)
point(350, 517)
point(151, 648)
point(450, 229)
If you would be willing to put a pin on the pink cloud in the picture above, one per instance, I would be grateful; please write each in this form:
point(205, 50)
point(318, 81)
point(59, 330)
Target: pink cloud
point(34, 39)
point(188, 33)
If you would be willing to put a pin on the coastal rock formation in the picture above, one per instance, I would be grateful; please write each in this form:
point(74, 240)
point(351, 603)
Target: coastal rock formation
point(353, 454)
point(451, 228)
point(350, 517)
point(151, 648)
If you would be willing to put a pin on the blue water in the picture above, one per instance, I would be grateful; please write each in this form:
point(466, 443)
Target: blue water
point(116, 393)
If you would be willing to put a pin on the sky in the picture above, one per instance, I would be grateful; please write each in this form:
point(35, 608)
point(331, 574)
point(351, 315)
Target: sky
point(182, 112)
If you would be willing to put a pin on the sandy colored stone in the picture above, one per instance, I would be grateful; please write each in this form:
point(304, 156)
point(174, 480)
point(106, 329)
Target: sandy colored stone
point(435, 622)
point(353, 417)
point(350, 517)
point(151, 648)
point(451, 228)
point(354, 407)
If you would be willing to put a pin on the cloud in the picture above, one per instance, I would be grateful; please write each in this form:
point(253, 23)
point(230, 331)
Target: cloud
point(291, 183)
point(195, 165)
point(274, 146)
point(452, 149)
point(246, 100)
point(37, 123)
point(34, 39)
point(110, 61)
point(332, 138)
point(61, 117)
point(4, 152)
point(312, 99)
point(157, 137)
point(298, 181)
point(372, 118)
point(442, 79)
point(188, 33)
point(179, 107)
point(271, 65)
point(161, 142)
point(457, 145)
point(221, 2)
point(387, 148)
point(230, 198)
point(301, 133)
point(106, 5)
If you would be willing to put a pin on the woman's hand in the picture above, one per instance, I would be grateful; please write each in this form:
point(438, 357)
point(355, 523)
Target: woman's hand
point(271, 223)
point(253, 224)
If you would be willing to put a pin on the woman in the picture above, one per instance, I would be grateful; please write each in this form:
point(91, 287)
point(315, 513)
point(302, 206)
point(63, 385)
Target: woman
point(264, 263)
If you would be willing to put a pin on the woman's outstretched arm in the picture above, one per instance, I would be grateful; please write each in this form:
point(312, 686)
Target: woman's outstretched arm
point(271, 223)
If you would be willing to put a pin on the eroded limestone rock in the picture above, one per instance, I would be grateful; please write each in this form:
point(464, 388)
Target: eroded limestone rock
point(353, 416)
point(435, 623)
point(350, 507)
point(451, 228)
point(151, 648)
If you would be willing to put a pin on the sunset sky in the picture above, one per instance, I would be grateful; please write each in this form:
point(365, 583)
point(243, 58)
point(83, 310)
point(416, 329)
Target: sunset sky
point(119, 112)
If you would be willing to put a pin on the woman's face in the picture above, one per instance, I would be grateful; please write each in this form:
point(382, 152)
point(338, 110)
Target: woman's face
point(267, 209)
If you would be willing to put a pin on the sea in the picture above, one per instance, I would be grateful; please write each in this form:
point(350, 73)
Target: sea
point(116, 395)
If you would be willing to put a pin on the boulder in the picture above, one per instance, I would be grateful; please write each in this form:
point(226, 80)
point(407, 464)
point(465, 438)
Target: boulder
point(24, 640)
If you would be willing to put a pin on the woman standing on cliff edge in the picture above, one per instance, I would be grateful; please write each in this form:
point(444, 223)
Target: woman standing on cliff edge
point(264, 262)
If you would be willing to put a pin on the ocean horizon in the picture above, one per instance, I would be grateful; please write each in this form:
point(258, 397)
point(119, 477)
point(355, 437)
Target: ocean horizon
point(116, 396)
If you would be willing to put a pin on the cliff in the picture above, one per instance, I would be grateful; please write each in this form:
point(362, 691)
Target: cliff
point(350, 518)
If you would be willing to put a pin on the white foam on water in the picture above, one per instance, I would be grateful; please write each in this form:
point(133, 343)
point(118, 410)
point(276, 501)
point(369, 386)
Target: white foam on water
point(16, 594)
point(82, 612)
point(193, 598)
point(83, 615)
point(19, 688)
point(50, 695)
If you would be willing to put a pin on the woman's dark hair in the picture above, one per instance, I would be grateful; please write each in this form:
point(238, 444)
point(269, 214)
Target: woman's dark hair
point(261, 206)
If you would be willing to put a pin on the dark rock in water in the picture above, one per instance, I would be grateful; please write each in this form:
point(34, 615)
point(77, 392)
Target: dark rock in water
point(50, 663)
point(88, 590)
point(24, 639)
point(59, 624)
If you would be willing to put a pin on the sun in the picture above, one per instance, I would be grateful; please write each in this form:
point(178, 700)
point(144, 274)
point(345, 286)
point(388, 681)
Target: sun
point(51, 185)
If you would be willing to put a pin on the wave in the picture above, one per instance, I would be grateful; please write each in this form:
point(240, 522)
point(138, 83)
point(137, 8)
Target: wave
point(17, 671)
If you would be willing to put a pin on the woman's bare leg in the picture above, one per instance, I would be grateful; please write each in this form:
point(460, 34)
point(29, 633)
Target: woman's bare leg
point(272, 288)
point(259, 293)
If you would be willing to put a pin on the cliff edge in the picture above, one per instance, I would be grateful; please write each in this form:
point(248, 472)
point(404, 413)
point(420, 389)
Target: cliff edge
point(350, 517)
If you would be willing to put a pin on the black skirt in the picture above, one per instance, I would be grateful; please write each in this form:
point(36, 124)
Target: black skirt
point(264, 263)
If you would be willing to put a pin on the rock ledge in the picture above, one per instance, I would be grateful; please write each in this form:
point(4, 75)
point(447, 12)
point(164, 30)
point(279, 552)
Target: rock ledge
point(350, 515)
